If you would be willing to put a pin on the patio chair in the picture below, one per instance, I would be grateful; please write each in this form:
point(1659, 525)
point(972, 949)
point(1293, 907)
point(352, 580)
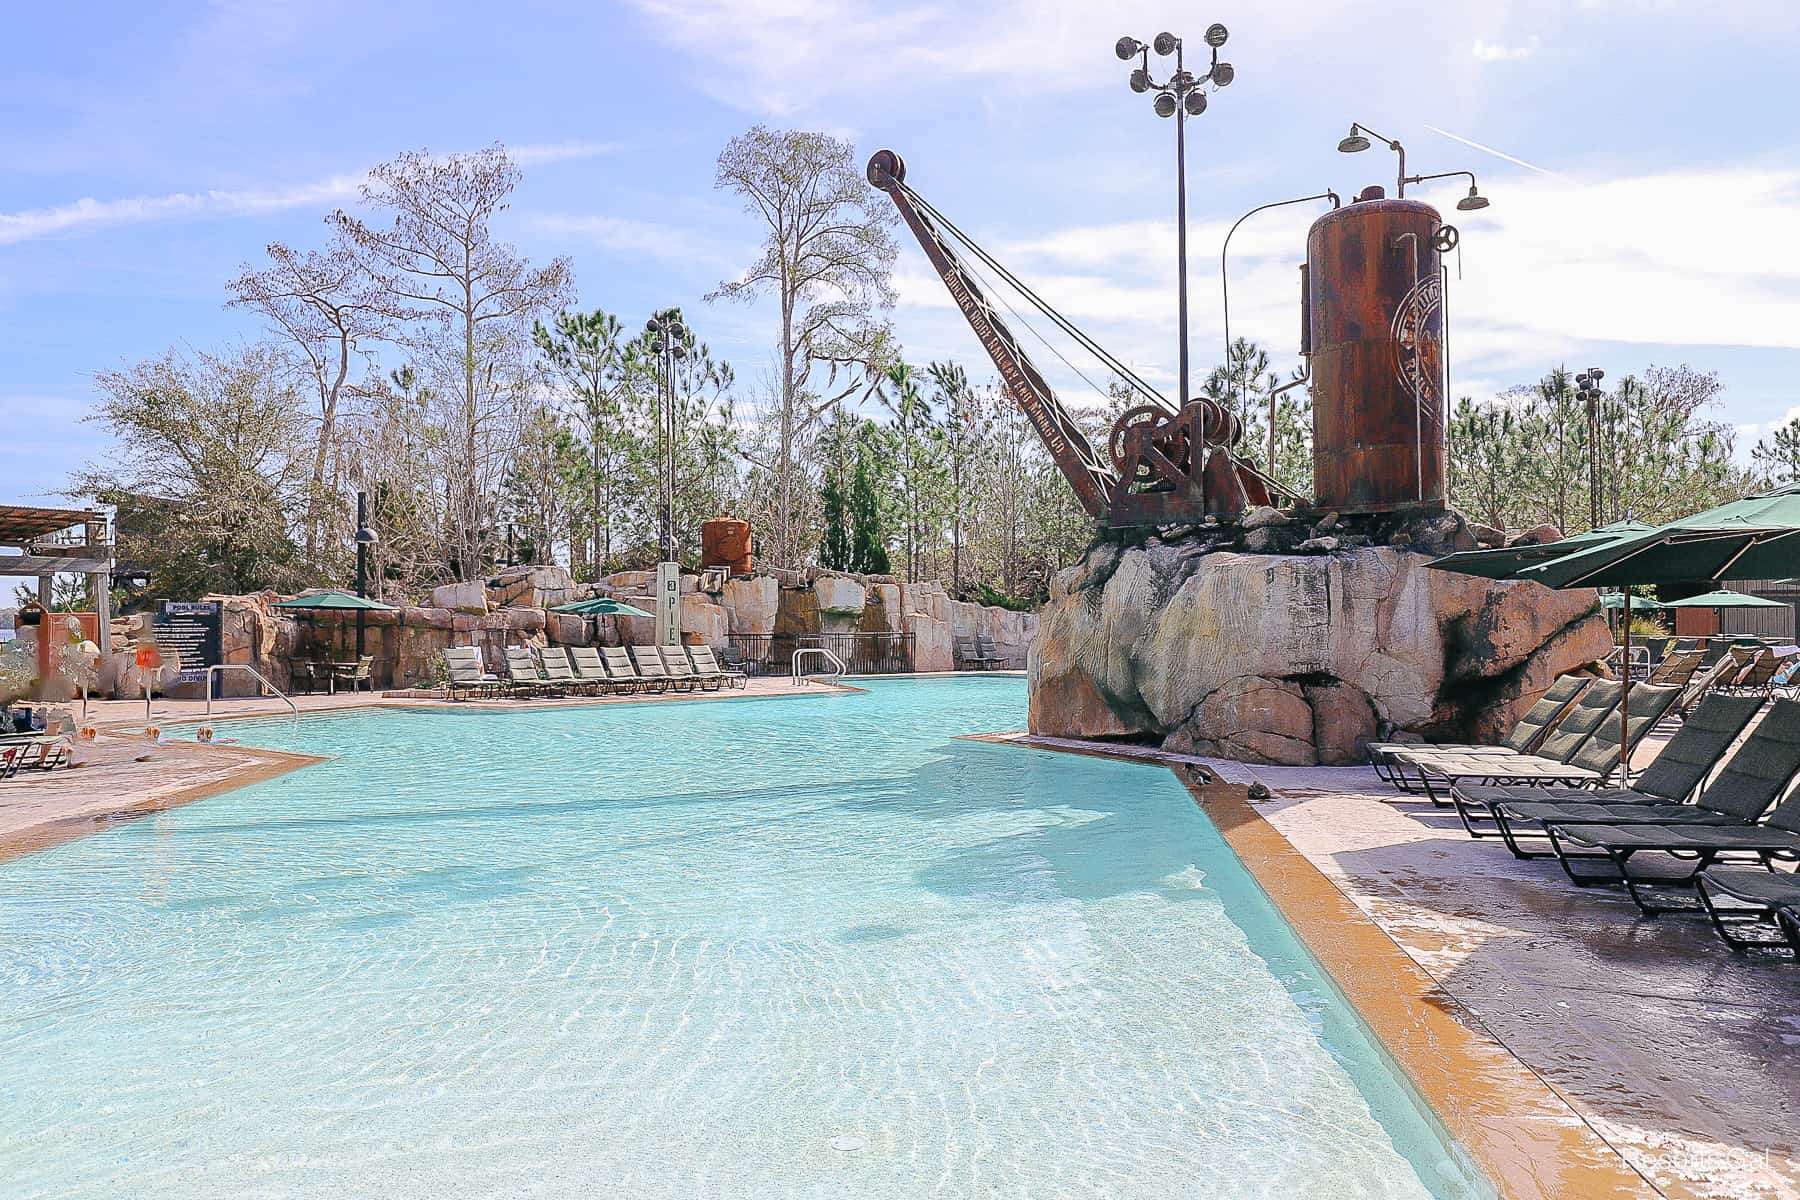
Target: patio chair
point(706, 662)
point(675, 662)
point(360, 673)
point(649, 663)
point(590, 669)
point(1438, 772)
point(9, 762)
point(625, 676)
point(1526, 734)
point(733, 660)
point(559, 673)
point(1676, 773)
point(1736, 898)
point(468, 675)
point(523, 672)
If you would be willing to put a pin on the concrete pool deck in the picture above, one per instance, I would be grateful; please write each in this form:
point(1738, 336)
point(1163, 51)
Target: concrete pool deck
point(1675, 1052)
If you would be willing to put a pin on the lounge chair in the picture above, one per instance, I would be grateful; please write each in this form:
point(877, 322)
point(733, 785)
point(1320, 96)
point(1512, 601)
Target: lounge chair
point(590, 670)
point(675, 662)
point(1525, 736)
point(1736, 898)
point(625, 676)
point(1721, 826)
point(10, 758)
point(969, 657)
point(1775, 840)
point(468, 675)
point(1754, 679)
point(988, 650)
point(525, 675)
point(1677, 668)
point(1438, 772)
point(649, 663)
point(706, 665)
point(1671, 778)
point(559, 675)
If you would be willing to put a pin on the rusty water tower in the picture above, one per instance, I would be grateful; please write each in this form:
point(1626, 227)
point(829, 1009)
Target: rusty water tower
point(1374, 328)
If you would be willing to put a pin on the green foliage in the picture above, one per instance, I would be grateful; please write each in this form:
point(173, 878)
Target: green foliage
point(868, 556)
point(835, 553)
point(1524, 458)
point(1648, 626)
point(987, 594)
point(1778, 456)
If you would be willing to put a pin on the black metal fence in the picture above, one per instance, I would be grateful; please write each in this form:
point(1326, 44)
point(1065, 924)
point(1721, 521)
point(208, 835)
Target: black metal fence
point(861, 653)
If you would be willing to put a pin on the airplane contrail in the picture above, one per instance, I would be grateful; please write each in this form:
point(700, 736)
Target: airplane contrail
point(1456, 137)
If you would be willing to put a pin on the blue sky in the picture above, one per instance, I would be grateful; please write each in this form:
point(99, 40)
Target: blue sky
point(1644, 212)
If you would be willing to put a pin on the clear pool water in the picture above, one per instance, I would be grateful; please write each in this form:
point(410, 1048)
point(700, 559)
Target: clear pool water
point(787, 948)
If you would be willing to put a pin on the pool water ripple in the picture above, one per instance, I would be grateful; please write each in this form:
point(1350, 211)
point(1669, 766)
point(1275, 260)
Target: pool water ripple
point(794, 948)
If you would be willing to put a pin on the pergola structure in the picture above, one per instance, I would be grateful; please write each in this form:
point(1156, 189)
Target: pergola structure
point(60, 541)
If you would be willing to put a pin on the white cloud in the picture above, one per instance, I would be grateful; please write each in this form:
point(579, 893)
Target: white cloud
point(626, 235)
point(88, 214)
point(1486, 51)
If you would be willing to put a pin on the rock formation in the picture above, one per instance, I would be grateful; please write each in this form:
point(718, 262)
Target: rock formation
point(1297, 658)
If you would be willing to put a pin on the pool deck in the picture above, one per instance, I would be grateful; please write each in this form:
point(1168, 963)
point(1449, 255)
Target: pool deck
point(1675, 1054)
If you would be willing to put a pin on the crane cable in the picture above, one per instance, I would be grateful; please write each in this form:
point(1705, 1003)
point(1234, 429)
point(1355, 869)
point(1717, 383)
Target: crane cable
point(1132, 379)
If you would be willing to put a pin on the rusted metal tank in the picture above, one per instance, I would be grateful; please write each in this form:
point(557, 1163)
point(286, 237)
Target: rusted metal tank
point(725, 542)
point(1375, 322)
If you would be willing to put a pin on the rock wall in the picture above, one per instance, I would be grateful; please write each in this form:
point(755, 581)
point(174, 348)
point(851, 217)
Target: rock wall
point(1295, 659)
point(512, 609)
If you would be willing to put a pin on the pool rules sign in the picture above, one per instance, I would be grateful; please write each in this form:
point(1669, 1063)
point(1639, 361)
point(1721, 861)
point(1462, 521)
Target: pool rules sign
point(668, 604)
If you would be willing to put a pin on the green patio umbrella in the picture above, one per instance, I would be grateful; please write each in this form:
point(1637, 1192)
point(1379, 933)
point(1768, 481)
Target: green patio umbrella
point(1757, 537)
point(1754, 538)
point(1724, 600)
point(1614, 600)
point(1508, 561)
point(602, 606)
point(335, 600)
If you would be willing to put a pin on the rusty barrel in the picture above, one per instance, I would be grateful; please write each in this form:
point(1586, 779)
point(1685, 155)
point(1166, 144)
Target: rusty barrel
point(1375, 301)
point(725, 542)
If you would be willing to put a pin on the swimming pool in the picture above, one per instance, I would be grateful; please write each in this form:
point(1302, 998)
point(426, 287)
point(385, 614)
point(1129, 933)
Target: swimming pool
point(799, 947)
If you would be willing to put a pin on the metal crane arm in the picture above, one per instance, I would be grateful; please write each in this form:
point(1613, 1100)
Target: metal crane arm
point(1091, 476)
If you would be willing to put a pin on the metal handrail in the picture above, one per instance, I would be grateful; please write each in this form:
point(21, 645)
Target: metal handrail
point(260, 678)
point(836, 662)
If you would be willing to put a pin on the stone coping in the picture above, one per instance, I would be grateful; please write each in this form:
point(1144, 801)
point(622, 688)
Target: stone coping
point(1528, 1141)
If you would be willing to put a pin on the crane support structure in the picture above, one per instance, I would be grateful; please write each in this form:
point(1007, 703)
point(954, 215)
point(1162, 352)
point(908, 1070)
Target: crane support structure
point(1163, 464)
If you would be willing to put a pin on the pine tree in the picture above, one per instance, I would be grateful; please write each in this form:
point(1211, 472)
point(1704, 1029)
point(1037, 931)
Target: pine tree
point(867, 554)
point(836, 552)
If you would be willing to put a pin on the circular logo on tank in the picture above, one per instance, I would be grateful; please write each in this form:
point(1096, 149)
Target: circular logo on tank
point(1418, 352)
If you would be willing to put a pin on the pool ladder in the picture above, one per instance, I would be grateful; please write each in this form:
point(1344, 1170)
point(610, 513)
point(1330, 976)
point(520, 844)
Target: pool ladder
point(837, 664)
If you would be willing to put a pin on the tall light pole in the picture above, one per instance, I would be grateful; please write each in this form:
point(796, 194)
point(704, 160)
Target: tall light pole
point(1587, 386)
point(365, 537)
point(665, 337)
point(1182, 96)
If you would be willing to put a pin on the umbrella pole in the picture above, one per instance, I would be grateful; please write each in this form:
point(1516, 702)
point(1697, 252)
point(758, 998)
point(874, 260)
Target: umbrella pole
point(1625, 700)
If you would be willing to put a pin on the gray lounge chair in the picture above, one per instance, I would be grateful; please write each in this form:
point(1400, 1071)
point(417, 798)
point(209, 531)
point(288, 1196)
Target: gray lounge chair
point(649, 663)
point(988, 650)
point(1740, 898)
point(559, 674)
point(625, 676)
point(1671, 778)
point(1525, 736)
point(708, 665)
point(969, 657)
point(1677, 668)
point(590, 669)
point(681, 671)
point(468, 675)
point(1438, 772)
point(523, 673)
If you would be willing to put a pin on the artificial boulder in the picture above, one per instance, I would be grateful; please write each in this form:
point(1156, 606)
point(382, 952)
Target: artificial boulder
point(1295, 659)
